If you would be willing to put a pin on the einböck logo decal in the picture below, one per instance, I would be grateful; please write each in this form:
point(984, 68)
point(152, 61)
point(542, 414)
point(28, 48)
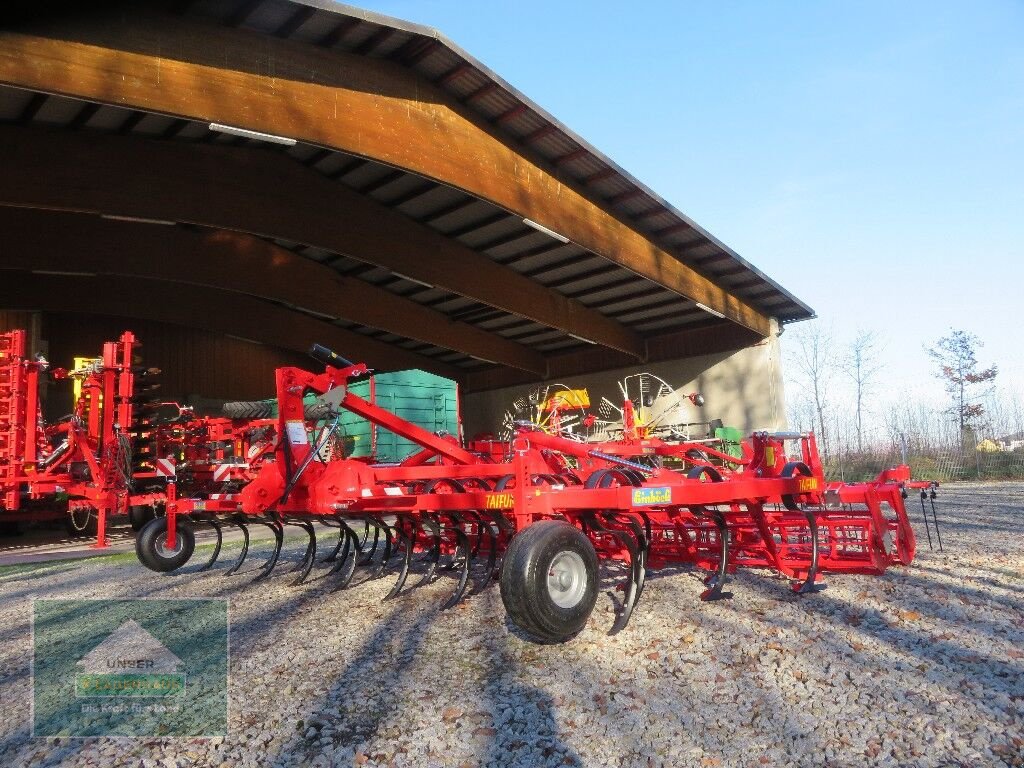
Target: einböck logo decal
point(806, 484)
point(645, 497)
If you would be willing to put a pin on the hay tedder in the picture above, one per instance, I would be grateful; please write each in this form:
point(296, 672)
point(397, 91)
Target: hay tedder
point(540, 516)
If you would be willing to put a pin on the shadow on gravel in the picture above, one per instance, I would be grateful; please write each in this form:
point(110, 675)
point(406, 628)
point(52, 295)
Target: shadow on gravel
point(957, 661)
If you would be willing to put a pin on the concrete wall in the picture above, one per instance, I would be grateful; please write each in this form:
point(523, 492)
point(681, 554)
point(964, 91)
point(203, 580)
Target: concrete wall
point(743, 389)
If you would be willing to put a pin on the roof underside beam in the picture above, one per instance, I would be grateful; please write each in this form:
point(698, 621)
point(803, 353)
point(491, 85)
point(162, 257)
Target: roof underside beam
point(368, 107)
point(226, 260)
point(207, 309)
point(716, 337)
point(262, 192)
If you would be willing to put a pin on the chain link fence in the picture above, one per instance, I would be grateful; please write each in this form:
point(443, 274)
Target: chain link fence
point(941, 464)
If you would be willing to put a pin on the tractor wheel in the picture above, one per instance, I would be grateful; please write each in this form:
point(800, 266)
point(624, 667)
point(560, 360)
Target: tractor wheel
point(139, 515)
point(549, 580)
point(248, 410)
point(149, 545)
point(262, 409)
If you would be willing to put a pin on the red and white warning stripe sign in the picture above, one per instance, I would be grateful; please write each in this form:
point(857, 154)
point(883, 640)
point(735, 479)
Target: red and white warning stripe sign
point(222, 472)
point(166, 468)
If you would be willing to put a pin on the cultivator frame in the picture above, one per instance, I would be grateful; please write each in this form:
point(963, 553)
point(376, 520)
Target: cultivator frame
point(549, 511)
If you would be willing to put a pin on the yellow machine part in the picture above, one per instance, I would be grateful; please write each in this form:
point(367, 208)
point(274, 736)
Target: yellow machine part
point(567, 398)
point(81, 364)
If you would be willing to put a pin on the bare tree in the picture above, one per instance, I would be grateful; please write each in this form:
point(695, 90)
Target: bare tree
point(956, 356)
point(814, 360)
point(861, 366)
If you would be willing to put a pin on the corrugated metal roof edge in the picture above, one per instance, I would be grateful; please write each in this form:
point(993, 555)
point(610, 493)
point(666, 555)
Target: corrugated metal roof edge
point(420, 29)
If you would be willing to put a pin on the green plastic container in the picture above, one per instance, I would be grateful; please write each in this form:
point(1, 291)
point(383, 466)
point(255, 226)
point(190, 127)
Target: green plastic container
point(425, 399)
point(731, 440)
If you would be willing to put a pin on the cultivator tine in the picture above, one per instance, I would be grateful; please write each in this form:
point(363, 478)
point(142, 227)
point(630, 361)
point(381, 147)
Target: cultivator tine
point(216, 547)
point(268, 566)
point(935, 518)
point(642, 543)
point(330, 558)
point(462, 546)
point(810, 584)
point(368, 558)
point(924, 514)
point(408, 542)
point(433, 528)
point(491, 531)
point(306, 564)
point(716, 582)
point(380, 525)
point(351, 544)
point(245, 546)
point(629, 601)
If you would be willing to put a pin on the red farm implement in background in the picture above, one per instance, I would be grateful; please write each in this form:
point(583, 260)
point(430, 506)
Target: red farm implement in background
point(549, 507)
point(82, 467)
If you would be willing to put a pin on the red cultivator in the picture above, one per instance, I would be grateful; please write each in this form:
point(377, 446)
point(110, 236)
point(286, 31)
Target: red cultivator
point(550, 511)
point(81, 467)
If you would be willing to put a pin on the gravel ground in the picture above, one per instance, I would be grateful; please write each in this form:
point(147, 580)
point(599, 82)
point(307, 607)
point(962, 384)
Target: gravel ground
point(924, 666)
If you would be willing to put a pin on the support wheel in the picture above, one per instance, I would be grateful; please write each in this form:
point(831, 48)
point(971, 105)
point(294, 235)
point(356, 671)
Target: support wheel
point(150, 545)
point(549, 580)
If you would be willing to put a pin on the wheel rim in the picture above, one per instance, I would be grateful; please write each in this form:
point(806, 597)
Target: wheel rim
point(161, 546)
point(567, 579)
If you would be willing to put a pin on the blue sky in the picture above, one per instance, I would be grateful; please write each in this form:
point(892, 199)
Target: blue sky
point(868, 156)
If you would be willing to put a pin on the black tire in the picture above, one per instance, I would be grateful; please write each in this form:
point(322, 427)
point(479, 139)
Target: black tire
point(10, 528)
point(524, 580)
point(259, 409)
point(256, 409)
point(149, 549)
point(139, 515)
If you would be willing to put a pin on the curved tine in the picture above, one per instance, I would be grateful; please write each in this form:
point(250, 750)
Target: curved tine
point(342, 538)
point(408, 542)
point(368, 558)
point(478, 521)
point(935, 517)
point(239, 521)
point(346, 537)
point(307, 526)
point(716, 582)
point(268, 566)
point(626, 611)
point(347, 573)
point(492, 555)
point(810, 584)
point(462, 545)
point(216, 547)
point(434, 529)
point(643, 547)
point(501, 521)
point(456, 523)
point(306, 565)
point(388, 538)
point(638, 562)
